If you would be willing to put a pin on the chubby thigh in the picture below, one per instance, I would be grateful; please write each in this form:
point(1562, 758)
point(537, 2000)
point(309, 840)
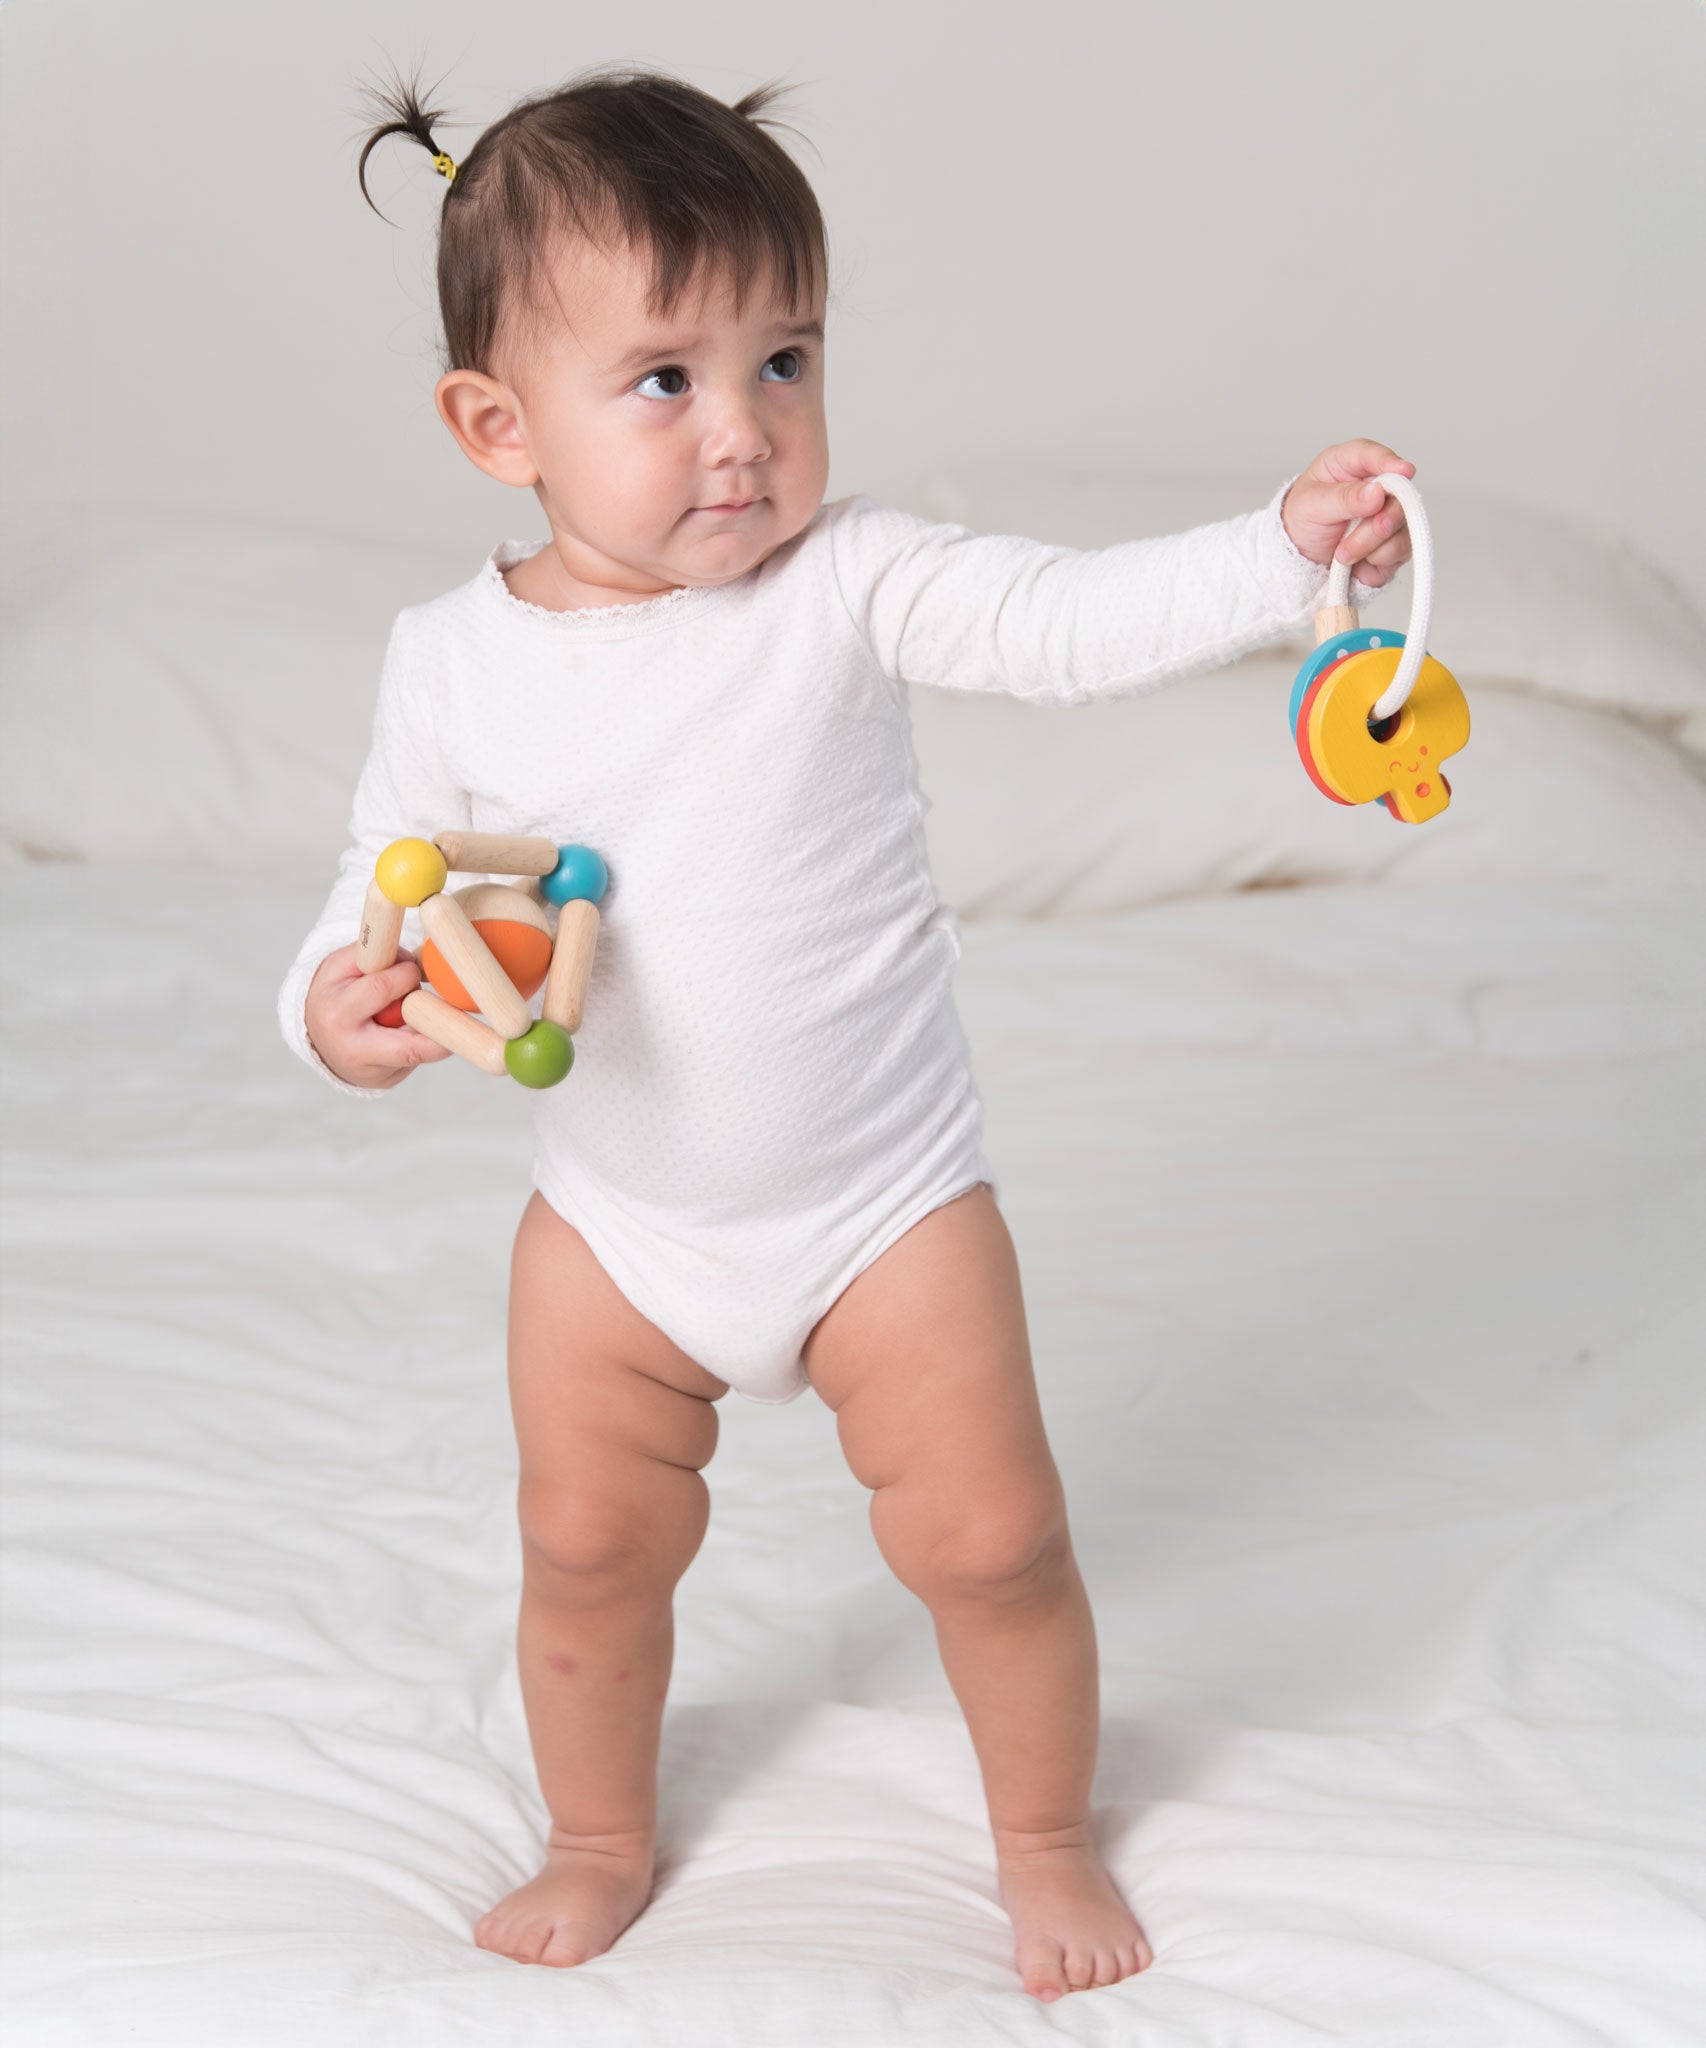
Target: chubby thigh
point(613, 1421)
point(926, 1360)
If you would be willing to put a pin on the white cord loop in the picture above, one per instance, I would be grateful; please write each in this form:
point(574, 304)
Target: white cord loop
point(1421, 604)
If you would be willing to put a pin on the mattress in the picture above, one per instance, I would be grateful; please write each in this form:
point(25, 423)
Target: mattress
point(1361, 1230)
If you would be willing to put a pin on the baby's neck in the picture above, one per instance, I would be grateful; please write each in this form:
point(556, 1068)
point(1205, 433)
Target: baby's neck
point(543, 581)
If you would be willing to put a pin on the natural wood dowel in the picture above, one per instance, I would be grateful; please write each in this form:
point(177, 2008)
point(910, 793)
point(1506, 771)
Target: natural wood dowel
point(470, 959)
point(381, 928)
point(454, 1029)
point(1334, 618)
point(496, 853)
point(571, 965)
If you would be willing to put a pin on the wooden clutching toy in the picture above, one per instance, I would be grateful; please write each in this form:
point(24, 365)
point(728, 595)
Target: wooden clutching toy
point(1373, 714)
point(489, 947)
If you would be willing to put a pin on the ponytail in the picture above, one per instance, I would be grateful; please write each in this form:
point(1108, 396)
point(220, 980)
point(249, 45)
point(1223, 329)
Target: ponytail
point(409, 117)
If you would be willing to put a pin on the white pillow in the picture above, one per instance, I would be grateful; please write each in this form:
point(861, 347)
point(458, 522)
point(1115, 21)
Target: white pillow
point(194, 693)
point(1197, 788)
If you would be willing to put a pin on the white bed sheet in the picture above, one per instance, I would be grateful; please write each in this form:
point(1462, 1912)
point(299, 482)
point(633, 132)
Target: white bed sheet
point(1361, 1231)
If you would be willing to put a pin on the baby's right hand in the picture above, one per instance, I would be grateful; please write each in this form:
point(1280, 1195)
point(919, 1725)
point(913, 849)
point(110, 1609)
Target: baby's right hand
point(342, 1004)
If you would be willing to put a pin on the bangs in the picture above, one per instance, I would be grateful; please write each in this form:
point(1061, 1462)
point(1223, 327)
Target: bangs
point(688, 254)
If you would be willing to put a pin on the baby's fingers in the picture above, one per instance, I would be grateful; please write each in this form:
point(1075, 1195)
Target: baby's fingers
point(389, 1039)
point(1375, 534)
point(368, 994)
point(413, 1048)
point(1380, 566)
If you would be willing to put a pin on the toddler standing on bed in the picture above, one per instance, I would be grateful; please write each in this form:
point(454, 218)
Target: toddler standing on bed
point(767, 1166)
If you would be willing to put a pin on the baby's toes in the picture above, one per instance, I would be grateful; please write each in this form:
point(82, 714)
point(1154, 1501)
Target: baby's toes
point(1109, 1967)
point(1079, 1964)
point(566, 1945)
point(1136, 1955)
point(512, 1935)
point(1039, 1965)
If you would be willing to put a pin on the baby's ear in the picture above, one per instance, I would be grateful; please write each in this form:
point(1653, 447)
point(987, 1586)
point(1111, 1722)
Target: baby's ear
point(485, 418)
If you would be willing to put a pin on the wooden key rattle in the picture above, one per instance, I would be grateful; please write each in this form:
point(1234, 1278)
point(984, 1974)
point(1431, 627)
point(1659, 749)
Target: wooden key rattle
point(1373, 714)
point(489, 947)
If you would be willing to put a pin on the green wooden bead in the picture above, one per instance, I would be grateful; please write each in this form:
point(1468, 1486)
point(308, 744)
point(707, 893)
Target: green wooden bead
point(541, 1057)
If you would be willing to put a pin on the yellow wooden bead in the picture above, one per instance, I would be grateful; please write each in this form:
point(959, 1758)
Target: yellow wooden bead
point(410, 870)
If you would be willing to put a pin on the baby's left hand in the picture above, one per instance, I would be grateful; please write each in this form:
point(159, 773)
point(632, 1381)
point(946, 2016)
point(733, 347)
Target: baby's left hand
point(1336, 489)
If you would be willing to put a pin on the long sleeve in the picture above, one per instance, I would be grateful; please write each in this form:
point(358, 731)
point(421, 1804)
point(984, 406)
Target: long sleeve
point(1057, 625)
point(404, 791)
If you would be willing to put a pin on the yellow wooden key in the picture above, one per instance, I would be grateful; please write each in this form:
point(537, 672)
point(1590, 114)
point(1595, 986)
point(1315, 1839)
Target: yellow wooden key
point(1403, 767)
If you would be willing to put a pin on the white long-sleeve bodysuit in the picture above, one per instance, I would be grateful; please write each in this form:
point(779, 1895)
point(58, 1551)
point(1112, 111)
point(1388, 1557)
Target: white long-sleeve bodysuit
point(771, 1082)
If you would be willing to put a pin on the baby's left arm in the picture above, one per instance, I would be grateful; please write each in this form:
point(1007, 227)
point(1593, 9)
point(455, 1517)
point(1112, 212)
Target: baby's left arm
point(1057, 625)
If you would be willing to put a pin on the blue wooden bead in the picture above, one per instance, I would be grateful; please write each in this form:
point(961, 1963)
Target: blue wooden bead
point(580, 875)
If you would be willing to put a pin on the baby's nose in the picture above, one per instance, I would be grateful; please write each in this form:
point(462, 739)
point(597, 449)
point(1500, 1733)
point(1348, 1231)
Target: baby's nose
point(736, 435)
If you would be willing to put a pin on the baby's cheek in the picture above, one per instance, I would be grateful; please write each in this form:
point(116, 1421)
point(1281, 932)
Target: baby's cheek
point(604, 468)
point(648, 489)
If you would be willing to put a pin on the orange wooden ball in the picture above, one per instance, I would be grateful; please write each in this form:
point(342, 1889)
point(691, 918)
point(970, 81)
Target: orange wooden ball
point(522, 951)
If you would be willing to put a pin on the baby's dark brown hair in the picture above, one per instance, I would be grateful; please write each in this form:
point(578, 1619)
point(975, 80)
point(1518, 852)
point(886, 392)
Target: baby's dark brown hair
point(615, 154)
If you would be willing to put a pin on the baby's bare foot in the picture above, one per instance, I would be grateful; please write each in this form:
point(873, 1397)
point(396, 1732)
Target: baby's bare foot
point(1071, 1929)
point(591, 1888)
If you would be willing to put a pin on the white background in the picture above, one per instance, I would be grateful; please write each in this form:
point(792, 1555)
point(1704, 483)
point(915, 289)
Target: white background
point(1185, 236)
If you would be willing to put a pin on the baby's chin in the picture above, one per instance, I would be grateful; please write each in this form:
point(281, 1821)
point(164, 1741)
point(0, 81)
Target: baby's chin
point(722, 547)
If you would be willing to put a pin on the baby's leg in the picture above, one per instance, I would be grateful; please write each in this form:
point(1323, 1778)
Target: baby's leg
point(926, 1360)
point(613, 1423)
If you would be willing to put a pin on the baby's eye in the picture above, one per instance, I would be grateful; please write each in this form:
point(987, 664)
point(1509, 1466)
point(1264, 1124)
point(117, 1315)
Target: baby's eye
point(672, 370)
point(794, 357)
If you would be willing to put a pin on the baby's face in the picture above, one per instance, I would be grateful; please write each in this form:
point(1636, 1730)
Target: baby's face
point(637, 433)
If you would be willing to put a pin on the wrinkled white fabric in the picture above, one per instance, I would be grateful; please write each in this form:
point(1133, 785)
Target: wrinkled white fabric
point(771, 1082)
point(1402, 1629)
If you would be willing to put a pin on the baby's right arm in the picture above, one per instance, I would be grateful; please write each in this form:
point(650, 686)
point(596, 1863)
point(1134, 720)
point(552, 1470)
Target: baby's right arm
point(326, 1007)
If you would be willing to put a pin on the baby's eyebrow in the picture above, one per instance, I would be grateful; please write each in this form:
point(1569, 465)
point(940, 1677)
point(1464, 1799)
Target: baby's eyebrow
point(650, 352)
point(659, 351)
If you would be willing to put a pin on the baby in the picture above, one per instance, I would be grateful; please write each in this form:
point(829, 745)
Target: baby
point(766, 1169)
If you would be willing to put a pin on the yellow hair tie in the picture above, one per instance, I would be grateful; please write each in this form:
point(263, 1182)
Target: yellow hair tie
point(445, 168)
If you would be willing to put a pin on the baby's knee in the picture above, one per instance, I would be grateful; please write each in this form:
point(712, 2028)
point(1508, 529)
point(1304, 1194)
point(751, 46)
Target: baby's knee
point(596, 1542)
point(1011, 1542)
